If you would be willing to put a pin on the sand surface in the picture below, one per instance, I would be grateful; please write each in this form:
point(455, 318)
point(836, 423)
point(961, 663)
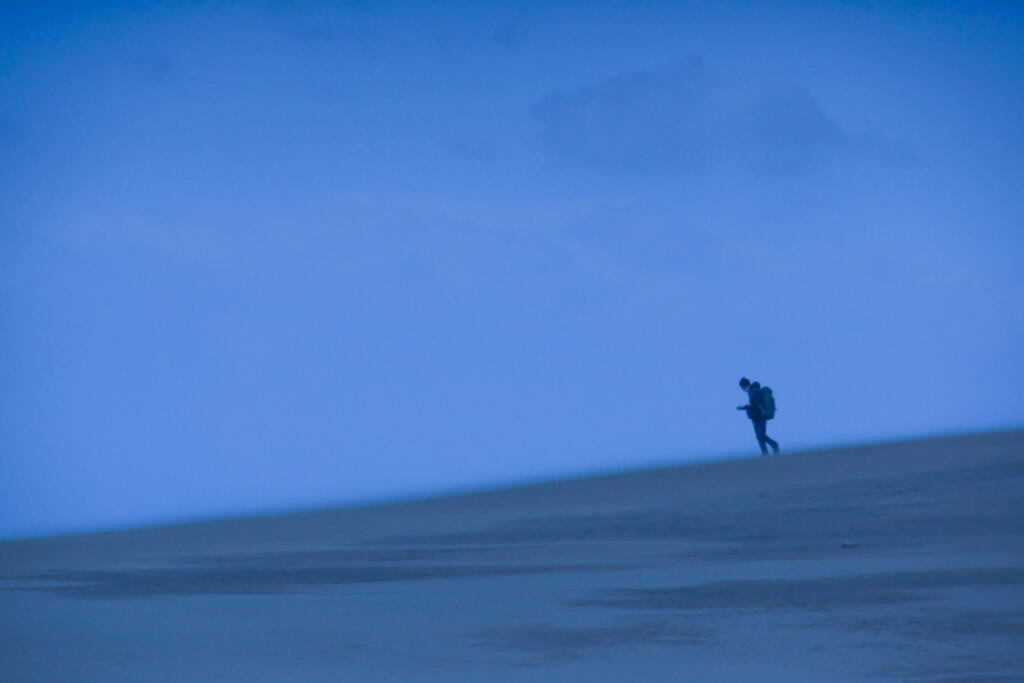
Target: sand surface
point(901, 562)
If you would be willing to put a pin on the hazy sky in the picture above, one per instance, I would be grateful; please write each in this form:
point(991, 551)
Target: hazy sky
point(258, 255)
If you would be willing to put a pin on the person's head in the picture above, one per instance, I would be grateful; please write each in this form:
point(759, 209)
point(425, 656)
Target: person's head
point(744, 384)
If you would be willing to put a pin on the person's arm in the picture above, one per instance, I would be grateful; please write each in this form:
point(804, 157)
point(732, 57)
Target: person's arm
point(746, 406)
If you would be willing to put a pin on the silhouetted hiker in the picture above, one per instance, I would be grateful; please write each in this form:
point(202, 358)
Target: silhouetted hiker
point(760, 408)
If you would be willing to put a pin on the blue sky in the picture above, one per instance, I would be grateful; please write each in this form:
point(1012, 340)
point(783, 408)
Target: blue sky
point(256, 256)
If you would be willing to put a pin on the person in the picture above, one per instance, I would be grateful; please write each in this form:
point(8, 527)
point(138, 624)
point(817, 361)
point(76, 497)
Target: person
point(756, 415)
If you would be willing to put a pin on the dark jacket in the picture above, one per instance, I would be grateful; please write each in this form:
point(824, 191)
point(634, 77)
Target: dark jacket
point(754, 406)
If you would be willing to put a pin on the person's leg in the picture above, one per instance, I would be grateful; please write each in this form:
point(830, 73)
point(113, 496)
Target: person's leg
point(770, 441)
point(759, 427)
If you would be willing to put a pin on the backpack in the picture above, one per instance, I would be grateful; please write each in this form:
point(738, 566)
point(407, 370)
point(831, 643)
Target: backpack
point(767, 403)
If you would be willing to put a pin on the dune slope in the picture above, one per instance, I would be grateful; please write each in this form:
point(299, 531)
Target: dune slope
point(890, 562)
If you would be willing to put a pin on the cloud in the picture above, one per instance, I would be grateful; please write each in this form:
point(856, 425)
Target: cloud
point(189, 237)
point(9, 130)
point(509, 34)
point(153, 65)
point(687, 118)
point(322, 24)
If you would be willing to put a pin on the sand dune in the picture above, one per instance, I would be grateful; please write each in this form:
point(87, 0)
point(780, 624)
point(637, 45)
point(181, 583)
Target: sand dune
point(892, 562)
